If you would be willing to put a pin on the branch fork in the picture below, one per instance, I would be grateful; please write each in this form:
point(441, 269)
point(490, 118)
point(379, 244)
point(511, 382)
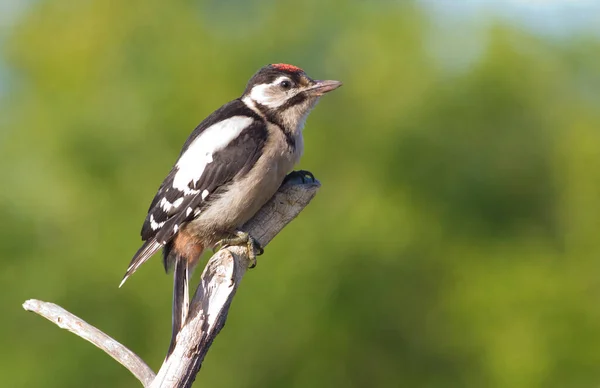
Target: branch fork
point(209, 307)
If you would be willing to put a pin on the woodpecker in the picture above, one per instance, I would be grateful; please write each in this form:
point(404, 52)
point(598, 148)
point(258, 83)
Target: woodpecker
point(229, 167)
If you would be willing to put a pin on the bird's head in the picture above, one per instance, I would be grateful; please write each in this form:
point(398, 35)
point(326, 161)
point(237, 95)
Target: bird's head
point(285, 93)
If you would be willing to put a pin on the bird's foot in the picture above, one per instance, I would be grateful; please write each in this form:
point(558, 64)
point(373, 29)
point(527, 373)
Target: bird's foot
point(305, 176)
point(243, 238)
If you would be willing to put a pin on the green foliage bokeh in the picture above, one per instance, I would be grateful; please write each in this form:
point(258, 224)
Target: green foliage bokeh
point(454, 242)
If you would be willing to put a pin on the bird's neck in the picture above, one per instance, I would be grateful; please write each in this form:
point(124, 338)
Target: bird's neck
point(291, 121)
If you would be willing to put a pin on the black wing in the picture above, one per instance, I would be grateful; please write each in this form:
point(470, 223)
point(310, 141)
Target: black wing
point(172, 206)
point(234, 160)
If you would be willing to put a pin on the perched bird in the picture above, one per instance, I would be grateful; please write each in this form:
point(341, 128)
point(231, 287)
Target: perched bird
point(229, 167)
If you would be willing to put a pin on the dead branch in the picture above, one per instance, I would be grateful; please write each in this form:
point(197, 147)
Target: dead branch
point(77, 326)
point(210, 305)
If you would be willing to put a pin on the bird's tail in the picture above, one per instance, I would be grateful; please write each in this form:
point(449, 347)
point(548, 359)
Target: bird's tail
point(181, 298)
point(146, 251)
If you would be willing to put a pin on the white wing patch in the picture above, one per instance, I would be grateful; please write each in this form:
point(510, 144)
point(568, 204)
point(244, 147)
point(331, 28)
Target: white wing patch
point(204, 194)
point(199, 154)
point(155, 225)
point(168, 206)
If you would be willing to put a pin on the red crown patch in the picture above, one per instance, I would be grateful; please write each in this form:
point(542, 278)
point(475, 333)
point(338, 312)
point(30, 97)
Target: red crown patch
point(288, 68)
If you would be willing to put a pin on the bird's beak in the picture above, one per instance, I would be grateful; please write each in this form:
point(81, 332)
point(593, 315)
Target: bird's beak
point(322, 87)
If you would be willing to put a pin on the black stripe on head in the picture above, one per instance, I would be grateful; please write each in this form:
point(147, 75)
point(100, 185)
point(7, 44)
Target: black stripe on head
point(272, 116)
point(297, 99)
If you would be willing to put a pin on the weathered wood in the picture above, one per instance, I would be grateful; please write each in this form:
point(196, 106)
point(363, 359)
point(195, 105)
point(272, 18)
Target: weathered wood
point(220, 281)
point(76, 325)
point(210, 305)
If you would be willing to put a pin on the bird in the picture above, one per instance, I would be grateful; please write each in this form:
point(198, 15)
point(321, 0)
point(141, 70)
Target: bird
point(232, 163)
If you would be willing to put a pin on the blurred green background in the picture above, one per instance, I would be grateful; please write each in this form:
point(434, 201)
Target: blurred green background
point(455, 241)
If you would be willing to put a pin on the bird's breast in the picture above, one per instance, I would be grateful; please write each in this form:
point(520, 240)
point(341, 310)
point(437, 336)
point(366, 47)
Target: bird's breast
point(246, 194)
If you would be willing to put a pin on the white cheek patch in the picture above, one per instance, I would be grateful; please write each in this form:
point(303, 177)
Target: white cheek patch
point(263, 95)
point(266, 94)
point(193, 162)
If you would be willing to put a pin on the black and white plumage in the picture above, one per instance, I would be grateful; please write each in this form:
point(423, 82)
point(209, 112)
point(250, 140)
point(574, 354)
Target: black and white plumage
point(228, 168)
point(225, 145)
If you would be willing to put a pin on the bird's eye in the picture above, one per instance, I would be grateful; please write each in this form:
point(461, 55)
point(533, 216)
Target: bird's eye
point(285, 84)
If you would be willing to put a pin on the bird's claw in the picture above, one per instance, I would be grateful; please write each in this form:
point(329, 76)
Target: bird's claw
point(218, 246)
point(254, 249)
point(243, 238)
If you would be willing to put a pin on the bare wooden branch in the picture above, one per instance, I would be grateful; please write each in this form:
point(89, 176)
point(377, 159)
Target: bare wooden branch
point(76, 325)
point(210, 305)
point(219, 282)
